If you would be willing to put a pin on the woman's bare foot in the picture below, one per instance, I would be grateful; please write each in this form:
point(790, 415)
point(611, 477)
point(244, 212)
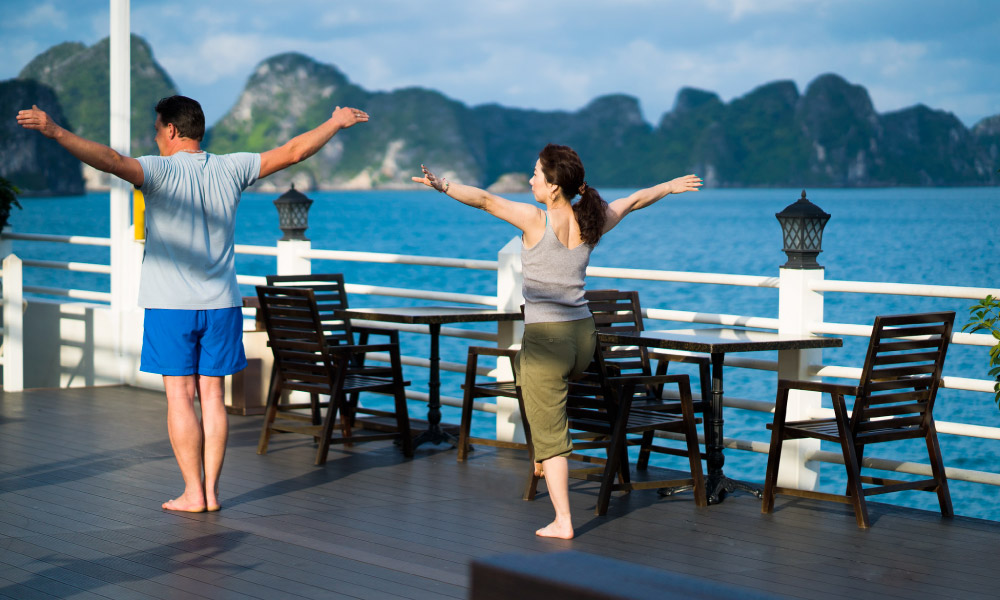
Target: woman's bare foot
point(539, 471)
point(557, 529)
point(183, 505)
point(212, 502)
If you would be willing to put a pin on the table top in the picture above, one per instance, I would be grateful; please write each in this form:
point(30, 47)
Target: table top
point(428, 315)
point(722, 340)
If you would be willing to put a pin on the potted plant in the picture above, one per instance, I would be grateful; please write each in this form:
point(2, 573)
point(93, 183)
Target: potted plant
point(8, 198)
point(985, 316)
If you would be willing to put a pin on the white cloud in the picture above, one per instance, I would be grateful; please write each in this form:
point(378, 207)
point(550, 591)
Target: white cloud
point(40, 15)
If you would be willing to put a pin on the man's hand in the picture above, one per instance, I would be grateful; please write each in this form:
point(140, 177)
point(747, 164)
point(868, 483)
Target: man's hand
point(346, 116)
point(37, 119)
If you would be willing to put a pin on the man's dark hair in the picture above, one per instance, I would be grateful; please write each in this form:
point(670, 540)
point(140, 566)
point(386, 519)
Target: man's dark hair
point(185, 114)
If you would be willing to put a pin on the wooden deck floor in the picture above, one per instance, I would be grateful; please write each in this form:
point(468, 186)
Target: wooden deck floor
point(83, 473)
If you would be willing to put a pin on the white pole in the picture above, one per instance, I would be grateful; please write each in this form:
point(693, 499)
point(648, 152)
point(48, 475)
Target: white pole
point(13, 324)
point(509, 297)
point(798, 307)
point(121, 194)
point(290, 259)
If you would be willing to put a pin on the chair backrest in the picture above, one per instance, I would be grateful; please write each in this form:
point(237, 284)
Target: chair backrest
point(330, 295)
point(296, 337)
point(900, 378)
point(617, 311)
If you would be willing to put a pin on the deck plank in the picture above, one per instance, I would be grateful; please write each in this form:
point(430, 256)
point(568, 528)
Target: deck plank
point(83, 472)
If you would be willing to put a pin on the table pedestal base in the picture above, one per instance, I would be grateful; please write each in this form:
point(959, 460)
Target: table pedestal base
point(717, 489)
point(435, 435)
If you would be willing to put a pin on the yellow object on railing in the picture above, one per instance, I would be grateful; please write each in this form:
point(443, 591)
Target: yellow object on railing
point(139, 215)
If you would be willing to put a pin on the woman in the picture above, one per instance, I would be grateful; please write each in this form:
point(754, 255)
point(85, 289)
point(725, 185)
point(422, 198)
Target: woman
point(559, 334)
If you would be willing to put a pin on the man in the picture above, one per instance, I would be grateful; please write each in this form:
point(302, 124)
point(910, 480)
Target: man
point(193, 322)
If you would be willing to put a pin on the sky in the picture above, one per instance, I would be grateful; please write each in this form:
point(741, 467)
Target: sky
point(555, 54)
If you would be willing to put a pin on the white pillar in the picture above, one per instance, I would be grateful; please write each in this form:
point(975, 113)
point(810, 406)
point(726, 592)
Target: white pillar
point(121, 194)
point(290, 259)
point(509, 297)
point(13, 324)
point(799, 307)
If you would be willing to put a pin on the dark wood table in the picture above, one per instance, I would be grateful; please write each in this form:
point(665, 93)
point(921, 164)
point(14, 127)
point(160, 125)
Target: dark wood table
point(717, 342)
point(433, 317)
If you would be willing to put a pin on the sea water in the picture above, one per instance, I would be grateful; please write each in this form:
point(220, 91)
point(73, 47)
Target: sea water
point(941, 236)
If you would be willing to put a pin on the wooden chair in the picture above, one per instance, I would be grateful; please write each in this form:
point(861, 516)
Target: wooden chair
point(477, 388)
point(618, 311)
point(894, 400)
point(331, 295)
point(304, 361)
point(601, 416)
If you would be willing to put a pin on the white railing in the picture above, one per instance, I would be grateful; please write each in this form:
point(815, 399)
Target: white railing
point(299, 255)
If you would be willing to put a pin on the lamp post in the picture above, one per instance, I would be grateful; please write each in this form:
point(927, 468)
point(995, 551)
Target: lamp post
point(293, 214)
point(800, 307)
point(802, 224)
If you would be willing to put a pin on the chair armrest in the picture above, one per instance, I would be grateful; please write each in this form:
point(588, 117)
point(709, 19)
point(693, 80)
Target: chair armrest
point(487, 351)
point(648, 379)
point(818, 386)
point(364, 348)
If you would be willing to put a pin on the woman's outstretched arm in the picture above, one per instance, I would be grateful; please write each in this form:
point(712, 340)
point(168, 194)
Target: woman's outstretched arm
point(520, 215)
point(643, 198)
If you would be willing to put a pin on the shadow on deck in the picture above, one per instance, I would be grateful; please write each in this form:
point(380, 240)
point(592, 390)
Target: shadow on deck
point(83, 473)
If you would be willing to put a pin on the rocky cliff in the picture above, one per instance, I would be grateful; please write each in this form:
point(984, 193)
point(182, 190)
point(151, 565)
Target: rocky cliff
point(830, 135)
point(773, 136)
point(37, 165)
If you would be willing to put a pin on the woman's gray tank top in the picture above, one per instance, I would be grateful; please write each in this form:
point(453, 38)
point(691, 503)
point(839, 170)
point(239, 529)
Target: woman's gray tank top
point(553, 279)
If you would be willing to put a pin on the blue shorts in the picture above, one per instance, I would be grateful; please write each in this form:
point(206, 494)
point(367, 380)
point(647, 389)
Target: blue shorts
point(193, 342)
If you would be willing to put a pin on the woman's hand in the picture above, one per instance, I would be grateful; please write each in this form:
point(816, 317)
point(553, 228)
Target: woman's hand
point(687, 183)
point(430, 180)
point(348, 116)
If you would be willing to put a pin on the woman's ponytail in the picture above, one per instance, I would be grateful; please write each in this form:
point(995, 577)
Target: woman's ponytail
point(591, 211)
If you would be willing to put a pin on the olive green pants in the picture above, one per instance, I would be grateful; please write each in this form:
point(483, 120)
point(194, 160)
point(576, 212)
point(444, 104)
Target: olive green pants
point(551, 354)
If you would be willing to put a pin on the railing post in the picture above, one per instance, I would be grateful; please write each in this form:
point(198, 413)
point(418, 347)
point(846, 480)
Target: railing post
point(13, 324)
point(290, 259)
point(799, 306)
point(509, 282)
point(121, 192)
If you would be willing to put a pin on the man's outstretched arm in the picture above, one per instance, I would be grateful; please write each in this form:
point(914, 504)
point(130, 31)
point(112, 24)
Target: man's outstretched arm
point(96, 155)
point(305, 145)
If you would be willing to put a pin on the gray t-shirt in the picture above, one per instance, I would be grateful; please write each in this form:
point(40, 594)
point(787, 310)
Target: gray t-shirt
point(191, 200)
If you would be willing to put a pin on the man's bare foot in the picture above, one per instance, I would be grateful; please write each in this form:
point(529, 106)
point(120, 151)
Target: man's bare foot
point(556, 529)
point(183, 504)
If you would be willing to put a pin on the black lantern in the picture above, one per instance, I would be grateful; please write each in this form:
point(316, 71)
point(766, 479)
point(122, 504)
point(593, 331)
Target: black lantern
point(802, 224)
point(293, 214)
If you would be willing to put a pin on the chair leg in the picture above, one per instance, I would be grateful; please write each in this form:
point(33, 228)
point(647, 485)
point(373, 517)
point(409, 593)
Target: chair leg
point(693, 449)
point(273, 396)
point(643, 461)
point(937, 468)
point(859, 453)
point(774, 450)
point(465, 425)
point(399, 396)
point(851, 462)
point(616, 448)
point(403, 420)
point(326, 431)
